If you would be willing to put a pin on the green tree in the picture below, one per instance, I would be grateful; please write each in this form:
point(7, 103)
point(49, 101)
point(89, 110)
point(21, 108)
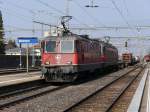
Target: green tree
point(11, 44)
point(2, 45)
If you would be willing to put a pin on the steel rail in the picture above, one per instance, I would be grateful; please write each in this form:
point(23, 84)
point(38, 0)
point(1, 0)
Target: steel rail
point(96, 92)
point(122, 92)
point(6, 103)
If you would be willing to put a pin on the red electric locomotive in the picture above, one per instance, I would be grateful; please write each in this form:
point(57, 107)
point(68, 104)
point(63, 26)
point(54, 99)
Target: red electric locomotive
point(68, 56)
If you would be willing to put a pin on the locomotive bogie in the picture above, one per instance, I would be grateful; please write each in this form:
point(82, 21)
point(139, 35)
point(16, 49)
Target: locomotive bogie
point(60, 73)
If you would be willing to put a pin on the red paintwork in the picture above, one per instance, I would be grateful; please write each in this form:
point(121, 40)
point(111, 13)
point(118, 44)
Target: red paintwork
point(89, 53)
point(147, 58)
point(53, 58)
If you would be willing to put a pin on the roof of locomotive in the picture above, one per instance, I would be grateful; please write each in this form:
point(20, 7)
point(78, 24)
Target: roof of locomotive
point(72, 37)
point(69, 37)
point(79, 37)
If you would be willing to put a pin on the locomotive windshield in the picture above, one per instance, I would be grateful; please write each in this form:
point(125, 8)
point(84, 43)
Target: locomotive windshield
point(51, 46)
point(67, 46)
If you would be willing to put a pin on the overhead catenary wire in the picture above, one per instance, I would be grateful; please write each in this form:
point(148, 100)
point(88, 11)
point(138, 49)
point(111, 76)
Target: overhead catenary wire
point(128, 13)
point(26, 18)
point(89, 14)
point(79, 28)
point(121, 14)
point(59, 11)
point(31, 21)
point(20, 7)
point(119, 11)
point(21, 17)
point(49, 6)
point(14, 27)
point(125, 4)
point(33, 12)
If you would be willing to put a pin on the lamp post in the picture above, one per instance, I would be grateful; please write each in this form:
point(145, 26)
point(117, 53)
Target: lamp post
point(20, 65)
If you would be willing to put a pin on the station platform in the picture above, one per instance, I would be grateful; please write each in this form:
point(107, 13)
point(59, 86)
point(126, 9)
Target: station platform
point(141, 99)
point(145, 102)
point(17, 78)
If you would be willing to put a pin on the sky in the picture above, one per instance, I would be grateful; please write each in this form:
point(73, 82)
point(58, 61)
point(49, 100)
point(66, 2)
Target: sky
point(19, 14)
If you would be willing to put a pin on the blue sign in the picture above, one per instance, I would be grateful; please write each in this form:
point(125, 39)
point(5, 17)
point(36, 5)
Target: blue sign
point(27, 40)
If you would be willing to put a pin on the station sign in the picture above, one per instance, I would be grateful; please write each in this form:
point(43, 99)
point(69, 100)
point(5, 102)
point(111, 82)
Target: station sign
point(27, 40)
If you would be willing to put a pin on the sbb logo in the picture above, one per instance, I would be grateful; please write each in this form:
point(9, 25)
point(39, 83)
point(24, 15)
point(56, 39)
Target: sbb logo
point(58, 58)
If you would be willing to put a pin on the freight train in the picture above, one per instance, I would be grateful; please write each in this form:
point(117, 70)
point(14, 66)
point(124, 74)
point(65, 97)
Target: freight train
point(129, 59)
point(68, 56)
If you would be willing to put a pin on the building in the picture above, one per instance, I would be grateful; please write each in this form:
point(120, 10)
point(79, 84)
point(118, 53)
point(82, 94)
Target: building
point(37, 50)
point(15, 51)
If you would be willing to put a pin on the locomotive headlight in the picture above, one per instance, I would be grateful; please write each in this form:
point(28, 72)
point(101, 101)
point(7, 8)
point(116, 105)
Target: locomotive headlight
point(47, 62)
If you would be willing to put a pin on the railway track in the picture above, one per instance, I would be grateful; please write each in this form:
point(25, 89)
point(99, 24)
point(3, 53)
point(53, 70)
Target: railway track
point(14, 97)
point(103, 99)
point(67, 97)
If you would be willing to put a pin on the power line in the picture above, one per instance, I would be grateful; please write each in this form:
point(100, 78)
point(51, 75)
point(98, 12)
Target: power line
point(112, 28)
point(25, 9)
point(21, 17)
point(91, 16)
point(46, 24)
point(33, 12)
point(49, 6)
point(15, 28)
point(127, 10)
point(59, 11)
point(121, 14)
point(20, 7)
point(119, 11)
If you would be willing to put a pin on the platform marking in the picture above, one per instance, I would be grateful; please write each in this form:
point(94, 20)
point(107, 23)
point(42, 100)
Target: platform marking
point(19, 79)
point(136, 100)
point(19, 74)
point(148, 96)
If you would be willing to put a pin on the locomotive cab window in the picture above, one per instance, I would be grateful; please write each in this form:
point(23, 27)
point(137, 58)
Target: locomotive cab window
point(51, 46)
point(67, 46)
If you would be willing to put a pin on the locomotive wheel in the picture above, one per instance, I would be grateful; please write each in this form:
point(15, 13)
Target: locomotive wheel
point(46, 79)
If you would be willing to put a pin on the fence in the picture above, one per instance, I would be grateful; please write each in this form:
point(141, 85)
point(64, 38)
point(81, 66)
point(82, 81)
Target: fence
point(11, 61)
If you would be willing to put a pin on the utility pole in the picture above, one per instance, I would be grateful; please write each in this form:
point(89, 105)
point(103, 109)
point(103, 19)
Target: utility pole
point(20, 65)
point(33, 33)
point(27, 53)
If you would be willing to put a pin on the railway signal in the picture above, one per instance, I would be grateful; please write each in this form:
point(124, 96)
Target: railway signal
point(126, 44)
